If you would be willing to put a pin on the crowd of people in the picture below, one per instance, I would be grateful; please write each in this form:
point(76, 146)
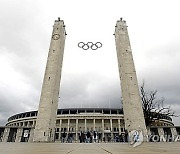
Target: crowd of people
point(89, 137)
point(92, 137)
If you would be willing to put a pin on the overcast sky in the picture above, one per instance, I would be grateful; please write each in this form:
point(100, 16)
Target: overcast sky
point(89, 78)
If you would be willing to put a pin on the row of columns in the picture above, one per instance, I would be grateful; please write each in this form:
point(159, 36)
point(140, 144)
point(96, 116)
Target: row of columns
point(172, 129)
point(23, 124)
point(31, 114)
point(94, 126)
point(19, 132)
point(18, 135)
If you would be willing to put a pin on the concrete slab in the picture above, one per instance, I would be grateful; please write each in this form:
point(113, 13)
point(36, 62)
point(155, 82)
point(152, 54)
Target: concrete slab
point(88, 148)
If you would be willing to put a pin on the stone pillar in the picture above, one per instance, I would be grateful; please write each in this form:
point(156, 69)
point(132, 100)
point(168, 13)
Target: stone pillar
point(94, 124)
point(28, 124)
point(132, 106)
point(19, 134)
point(60, 126)
point(148, 131)
point(33, 124)
point(85, 125)
point(31, 135)
point(47, 111)
point(6, 134)
point(68, 125)
point(119, 126)
point(111, 130)
point(173, 131)
point(76, 130)
point(102, 127)
point(160, 131)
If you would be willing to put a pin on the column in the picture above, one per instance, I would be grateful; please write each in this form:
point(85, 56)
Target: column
point(119, 126)
point(160, 131)
point(173, 131)
point(85, 125)
point(132, 106)
point(19, 134)
point(60, 123)
point(148, 131)
point(34, 123)
point(94, 124)
point(111, 129)
point(6, 134)
point(102, 127)
point(28, 124)
point(76, 130)
point(47, 111)
point(68, 125)
point(31, 135)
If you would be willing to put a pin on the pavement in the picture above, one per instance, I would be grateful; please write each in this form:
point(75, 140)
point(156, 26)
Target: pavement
point(89, 148)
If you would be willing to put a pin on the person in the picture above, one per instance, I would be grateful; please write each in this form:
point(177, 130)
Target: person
point(123, 138)
point(126, 136)
point(71, 137)
point(80, 137)
point(99, 137)
point(95, 136)
point(91, 137)
point(88, 136)
point(1, 136)
point(83, 137)
point(104, 139)
point(116, 138)
point(109, 138)
point(63, 137)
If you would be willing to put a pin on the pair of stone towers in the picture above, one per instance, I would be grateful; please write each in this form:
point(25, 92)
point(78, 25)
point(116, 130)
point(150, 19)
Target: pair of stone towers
point(47, 112)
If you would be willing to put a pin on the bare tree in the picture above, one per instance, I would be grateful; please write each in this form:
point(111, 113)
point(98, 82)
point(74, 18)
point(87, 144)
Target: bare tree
point(154, 109)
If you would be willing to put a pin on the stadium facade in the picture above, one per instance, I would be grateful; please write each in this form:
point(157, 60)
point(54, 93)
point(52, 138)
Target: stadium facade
point(107, 122)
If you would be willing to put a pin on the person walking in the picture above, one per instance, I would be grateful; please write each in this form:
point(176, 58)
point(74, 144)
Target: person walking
point(88, 136)
point(63, 137)
point(95, 136)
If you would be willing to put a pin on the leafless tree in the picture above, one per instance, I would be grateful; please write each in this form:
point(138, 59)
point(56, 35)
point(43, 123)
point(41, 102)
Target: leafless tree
point(154, 109)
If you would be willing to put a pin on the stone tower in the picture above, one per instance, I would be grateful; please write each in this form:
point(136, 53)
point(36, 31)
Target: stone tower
point(132, 106)
point(47, 112)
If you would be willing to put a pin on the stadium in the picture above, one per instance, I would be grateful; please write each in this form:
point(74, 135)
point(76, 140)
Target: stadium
point(108, 123)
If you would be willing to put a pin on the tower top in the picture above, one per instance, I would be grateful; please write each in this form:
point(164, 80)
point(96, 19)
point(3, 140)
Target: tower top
point(121, 22)
point(59, 20)
point(120, 26)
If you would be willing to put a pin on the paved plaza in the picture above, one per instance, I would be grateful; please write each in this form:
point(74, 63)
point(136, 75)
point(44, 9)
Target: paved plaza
point(88, 148)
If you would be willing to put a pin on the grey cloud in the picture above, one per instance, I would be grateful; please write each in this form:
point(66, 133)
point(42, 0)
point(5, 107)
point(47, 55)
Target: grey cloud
point(89, 91)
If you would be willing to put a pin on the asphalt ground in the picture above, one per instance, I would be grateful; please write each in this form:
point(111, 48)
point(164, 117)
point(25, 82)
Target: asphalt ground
point(89, 148)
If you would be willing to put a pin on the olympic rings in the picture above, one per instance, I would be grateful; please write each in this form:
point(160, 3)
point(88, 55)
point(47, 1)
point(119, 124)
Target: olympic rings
point(91, 45)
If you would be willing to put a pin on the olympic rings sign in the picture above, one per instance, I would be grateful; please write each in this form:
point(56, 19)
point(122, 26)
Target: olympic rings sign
point(90, 45)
